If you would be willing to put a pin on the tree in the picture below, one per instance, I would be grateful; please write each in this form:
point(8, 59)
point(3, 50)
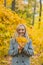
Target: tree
point(40, 13)
point(13, 5)
point(34, 13)
point(5, 3)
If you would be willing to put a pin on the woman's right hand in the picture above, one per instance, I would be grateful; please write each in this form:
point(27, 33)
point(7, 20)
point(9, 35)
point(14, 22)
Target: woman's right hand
point(19, 48)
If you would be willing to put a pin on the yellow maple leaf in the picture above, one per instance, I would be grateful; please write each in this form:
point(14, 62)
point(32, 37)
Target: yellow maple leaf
point(21, 41)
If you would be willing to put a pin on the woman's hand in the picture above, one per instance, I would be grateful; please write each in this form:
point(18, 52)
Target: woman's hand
point(22, 45)
point(20, 48)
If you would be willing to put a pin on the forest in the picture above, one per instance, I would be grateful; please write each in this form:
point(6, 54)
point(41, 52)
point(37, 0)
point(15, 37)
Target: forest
point(28, 12)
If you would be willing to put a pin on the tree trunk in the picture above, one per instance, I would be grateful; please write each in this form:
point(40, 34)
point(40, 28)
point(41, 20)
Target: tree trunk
point(13, 5)
point(34, 13)
point(40, 14)
point(5, 3)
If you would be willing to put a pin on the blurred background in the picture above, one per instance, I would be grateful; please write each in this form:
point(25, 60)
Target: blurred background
point(28, 12)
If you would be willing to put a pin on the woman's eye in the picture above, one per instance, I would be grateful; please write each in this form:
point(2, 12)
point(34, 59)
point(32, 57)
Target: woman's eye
point(19, 30)
point(22, 29)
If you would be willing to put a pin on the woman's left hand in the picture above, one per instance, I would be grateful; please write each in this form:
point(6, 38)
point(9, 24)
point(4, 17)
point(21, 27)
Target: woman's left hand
point(22, 45)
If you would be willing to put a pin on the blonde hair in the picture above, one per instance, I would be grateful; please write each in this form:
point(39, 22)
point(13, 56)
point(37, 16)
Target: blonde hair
point(16, 34)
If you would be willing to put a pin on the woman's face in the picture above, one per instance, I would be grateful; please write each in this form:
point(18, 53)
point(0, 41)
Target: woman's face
point(21, 30)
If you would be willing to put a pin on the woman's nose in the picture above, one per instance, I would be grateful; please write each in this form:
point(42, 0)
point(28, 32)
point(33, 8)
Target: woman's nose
point(20, 31)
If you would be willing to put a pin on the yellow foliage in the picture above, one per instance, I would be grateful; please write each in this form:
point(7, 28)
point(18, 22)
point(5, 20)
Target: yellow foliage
point(1, 2)
point(21, 41)
point(8, 22)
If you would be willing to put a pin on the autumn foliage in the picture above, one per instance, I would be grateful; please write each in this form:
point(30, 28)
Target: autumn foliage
point(21, 41)
point(8, 23)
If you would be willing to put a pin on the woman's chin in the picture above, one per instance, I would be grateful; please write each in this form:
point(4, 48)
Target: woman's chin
point(21, 35)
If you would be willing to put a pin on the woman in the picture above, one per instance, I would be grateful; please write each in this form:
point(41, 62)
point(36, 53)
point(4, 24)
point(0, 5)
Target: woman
point(23, 57)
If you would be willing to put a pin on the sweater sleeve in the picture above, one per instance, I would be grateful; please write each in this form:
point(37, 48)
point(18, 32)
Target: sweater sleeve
point(28, 49)
point(13, 49)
